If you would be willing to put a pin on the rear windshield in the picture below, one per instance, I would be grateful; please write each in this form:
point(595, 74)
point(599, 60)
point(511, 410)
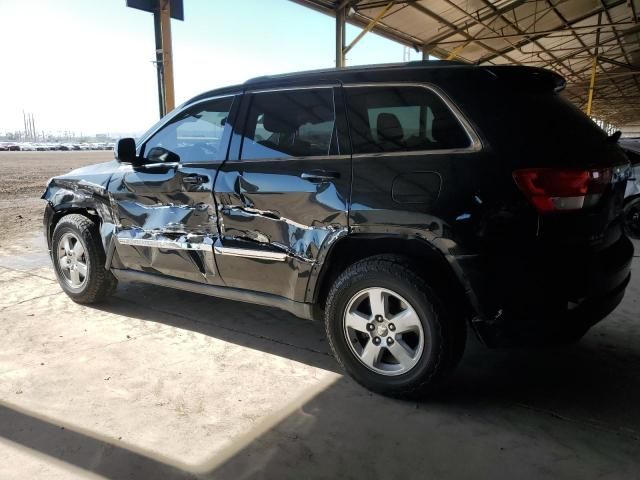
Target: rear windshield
point(547, 116)
point(534, 127)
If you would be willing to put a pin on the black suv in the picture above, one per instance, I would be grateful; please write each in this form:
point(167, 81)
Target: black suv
point(399, 203)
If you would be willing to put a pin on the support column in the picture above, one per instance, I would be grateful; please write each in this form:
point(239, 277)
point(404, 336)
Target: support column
point(340, 36)
point(167, 55)
point(592, 84)
point(594, 66)
point(158, 35)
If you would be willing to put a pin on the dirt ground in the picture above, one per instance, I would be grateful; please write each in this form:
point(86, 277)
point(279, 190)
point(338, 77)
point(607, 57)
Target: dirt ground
point(23, 179)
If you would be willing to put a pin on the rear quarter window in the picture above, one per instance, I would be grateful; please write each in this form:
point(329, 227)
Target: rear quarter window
point(402, 119)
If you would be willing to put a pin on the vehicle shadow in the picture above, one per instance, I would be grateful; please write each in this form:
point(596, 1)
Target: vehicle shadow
point(596, 381)
point(253, 326)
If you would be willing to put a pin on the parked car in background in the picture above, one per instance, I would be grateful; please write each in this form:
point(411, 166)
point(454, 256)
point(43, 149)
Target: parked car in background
point(398, 204)
point(9, 147)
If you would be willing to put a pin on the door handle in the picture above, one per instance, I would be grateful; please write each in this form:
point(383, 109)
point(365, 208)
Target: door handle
point(194, 179)
point(319, 176)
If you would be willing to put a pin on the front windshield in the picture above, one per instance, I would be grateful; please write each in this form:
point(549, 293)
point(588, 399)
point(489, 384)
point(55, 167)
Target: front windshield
point(140, 139)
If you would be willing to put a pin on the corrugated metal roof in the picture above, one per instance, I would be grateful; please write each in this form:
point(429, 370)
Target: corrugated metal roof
point(561, 35)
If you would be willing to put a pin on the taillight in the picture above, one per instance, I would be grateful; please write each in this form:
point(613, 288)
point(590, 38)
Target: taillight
point(561, 189)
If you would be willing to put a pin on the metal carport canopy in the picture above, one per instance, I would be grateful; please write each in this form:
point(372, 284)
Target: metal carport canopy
point(594, 44)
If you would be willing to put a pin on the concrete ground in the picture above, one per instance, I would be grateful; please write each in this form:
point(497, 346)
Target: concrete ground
point(163, 384)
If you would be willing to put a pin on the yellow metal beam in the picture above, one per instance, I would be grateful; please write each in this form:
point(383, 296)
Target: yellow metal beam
point(456, 51)
point(369, 27)
point(592, 84)
point(167, 55)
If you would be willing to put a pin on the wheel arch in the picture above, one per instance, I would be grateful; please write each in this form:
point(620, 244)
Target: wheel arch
point(57, 214)
point(65, 197)
point(631, 198)
point(439, 269)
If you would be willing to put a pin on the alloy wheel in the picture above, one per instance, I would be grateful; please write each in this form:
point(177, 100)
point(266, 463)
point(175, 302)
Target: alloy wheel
point(72, 260)
point(383, 331)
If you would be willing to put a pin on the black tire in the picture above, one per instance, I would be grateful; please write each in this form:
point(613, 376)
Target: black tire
point(632, 218)
point(444, 332)
point(98, 283)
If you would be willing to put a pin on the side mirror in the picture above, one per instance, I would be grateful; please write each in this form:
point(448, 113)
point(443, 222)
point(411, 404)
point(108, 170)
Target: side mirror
point(126, 150)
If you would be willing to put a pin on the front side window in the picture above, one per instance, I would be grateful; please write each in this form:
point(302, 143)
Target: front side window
point(292, 123)
point(193, 136)
point(401, 119)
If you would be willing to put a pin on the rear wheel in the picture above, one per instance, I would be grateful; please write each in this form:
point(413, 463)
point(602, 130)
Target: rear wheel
point(78, 260)
point(389, 329)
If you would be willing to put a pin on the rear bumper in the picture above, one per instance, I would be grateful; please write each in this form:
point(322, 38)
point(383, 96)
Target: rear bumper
point(550, 296)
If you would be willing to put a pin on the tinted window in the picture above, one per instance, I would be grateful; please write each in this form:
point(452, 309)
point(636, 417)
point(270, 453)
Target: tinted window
point(195, 135)
point(289, 124)
point(392, 119)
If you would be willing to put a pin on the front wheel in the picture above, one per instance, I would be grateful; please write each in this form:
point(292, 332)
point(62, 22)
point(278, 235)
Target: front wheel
point(389, 329)
point(78, 260)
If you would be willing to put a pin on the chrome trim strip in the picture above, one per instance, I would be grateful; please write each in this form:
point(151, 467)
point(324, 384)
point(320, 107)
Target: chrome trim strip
point(166, 244)
point(476, 143)
point(292, 87)
point(159, 164)
point(246, 253)
point(443, 151)
point(308, 157)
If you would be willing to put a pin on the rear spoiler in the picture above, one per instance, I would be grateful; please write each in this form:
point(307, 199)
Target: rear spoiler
point(529, 79)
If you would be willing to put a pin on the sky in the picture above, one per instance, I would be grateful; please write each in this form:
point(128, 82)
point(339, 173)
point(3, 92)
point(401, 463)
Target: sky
point(85, 66)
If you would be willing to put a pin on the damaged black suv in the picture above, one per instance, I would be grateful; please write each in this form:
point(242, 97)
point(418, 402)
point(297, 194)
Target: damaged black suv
point(398, 203)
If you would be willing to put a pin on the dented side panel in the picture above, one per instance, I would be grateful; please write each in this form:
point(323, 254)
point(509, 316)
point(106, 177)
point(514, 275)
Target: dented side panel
point(84, 189)
point(166, 225)
point(266, 206)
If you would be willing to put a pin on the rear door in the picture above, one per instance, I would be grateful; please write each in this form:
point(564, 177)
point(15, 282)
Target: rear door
point(284, 191)
point(166, 213)
point(418, 166)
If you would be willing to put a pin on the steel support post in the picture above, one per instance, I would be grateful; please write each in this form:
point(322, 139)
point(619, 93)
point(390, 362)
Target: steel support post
point(158, 35)
point(167, 55)
point(592, 83)
point(340, 36)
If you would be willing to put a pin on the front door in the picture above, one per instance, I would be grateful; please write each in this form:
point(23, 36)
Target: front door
point(284, 190)
point(166, 213)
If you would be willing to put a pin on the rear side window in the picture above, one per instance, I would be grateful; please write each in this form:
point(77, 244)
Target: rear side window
point(401, 119)
point(292, 123)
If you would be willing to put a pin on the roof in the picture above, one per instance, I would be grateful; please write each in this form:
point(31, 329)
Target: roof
point(560, 35)
point(357, 69)
point(410, 71)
